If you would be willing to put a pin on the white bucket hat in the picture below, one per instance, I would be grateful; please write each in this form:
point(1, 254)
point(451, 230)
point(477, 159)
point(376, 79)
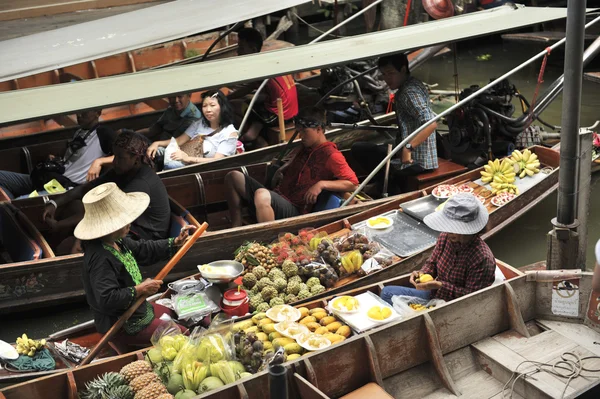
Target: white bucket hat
point(462, 214)
point(108, 209)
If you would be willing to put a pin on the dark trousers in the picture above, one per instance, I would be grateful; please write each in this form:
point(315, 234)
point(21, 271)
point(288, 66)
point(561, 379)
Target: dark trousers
point(369, 155)
point(15, 184)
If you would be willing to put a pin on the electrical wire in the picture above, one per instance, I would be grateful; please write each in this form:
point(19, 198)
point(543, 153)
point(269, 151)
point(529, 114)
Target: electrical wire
point(313, 27)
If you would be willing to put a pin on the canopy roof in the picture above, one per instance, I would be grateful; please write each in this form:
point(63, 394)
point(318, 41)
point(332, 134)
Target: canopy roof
point(20, 105)
point(88, 41)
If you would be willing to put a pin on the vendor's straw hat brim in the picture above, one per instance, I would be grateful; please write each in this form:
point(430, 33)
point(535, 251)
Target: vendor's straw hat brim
point(108, 209)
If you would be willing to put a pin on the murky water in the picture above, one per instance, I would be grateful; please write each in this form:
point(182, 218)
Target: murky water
point(520, 244)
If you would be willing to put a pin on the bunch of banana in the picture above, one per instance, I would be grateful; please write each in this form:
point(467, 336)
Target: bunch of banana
point(525, 163)
point(498, 172)
point(193, 374)
point(504, 188)
point(28, 346)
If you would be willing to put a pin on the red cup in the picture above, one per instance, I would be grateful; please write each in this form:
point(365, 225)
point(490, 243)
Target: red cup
point(235, 303)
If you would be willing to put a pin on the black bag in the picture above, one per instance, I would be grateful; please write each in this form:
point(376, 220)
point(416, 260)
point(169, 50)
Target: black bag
point(43, 172)
point(277, 163)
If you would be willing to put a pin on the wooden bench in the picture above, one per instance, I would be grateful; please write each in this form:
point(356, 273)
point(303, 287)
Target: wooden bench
point(446, 169)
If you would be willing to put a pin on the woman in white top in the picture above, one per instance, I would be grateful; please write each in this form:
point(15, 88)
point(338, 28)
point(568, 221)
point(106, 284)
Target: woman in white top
point(213, 136)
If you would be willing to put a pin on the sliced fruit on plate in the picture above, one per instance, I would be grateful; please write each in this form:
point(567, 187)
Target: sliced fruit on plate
point(464, 188)
point(444, 191)
point(345, 303)
point(379, 222)
point(379, 312)
point(313, 342)
point(502, 199)
point(283, 313)
point(291, 329)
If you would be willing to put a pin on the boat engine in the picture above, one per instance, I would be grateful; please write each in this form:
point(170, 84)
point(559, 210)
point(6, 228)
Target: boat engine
point(485, 127)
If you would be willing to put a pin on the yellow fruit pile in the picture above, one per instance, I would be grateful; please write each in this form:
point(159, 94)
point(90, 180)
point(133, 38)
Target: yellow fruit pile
point(498, 172)
point(345, 303)
point(379, 313)
point(418, 307)
point(525, 163)
point(352, 261)
point(28, 346)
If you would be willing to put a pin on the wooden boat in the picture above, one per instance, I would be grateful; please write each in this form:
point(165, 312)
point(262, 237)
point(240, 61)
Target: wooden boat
point(471, 347)
point(592, 76)
point(215, 245)
point(85, 334)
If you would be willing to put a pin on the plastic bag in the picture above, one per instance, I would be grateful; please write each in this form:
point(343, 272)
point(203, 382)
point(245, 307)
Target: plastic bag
point(193, 304)
point(354, 241)
point(402, 304)
point(168, 340)
point(187, 353)
point(318, 268)
point(170, 150)
point(373, 262)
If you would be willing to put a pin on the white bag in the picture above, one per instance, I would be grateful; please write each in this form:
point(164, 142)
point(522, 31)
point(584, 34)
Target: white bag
point(171, 149)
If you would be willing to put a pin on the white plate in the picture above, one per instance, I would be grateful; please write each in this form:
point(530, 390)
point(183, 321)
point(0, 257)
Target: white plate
point(384, 320)
point(342, 310)
point(303, 338)
point(495, 202)
point(281, 329)
point(464, 188)
point(452, 190)
point(7, 351)
point(380, 226)
point(281, 313)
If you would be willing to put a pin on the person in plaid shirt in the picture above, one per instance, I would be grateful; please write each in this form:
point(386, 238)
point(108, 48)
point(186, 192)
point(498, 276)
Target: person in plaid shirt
point(461, 261)
point(413, 109)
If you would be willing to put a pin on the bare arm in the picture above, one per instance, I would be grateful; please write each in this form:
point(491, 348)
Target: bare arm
point(96, 167)
point(181, 140)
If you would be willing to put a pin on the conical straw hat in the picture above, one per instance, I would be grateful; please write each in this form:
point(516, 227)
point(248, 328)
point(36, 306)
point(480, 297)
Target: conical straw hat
point(108, 209)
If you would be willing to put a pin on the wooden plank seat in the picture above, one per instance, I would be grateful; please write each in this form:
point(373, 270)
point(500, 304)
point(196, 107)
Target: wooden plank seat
point(445, 170)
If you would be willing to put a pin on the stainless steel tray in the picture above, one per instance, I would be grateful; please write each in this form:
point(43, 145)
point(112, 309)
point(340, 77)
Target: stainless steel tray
point(405, 237)
point(421, 207)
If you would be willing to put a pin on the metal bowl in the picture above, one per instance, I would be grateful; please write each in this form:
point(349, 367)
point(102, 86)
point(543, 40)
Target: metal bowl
point(228, 270)
point(186, 285)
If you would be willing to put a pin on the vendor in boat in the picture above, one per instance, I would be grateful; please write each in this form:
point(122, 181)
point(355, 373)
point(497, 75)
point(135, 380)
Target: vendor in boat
point(317, 166)
point(86, 154)
point(264, 111)
point(211, 137)
point(111, 277)
point(413, 109)
point(132, 172)
point(461, 261)
point(175, 120)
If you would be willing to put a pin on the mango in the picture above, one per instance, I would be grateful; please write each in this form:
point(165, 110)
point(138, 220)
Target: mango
point(344, 331)
point(264, 321)
point(282, 342)
point(258, 317)
point(321, 330)
point(274, 335)
point(292, 348)
point(268, 328)
point(303, 312)
point(262, 336)
point(333, 327)
point(334, 338)
point(425, 278)
point(327, 320)
point(319, 316)
point(253, 329)
point(312, 326)
point(316, 310)
point(293, 356)
point(242, 325)
point(267, 345)
point(308, 319)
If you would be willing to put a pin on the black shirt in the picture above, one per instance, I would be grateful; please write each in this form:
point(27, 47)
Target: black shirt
point(107, 283)
point(154, 222)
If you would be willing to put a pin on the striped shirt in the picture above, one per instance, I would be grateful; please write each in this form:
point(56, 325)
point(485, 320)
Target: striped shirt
point(412, 111)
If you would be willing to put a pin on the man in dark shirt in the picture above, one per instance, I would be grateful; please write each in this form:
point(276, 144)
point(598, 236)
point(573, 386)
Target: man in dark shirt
point(180, 114)
point(132, 172)
point(317, 166)
point(461, 261)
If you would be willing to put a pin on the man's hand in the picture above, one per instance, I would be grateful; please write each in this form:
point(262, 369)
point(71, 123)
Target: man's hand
point(180, 156)
point(148, 287)
point(277, 178)
point(151, 152)
point(413, 276)
point(406, 156)
point(51, 157)
point(430, 285)
point(52, 223)
point(311, 195)
point(94, 170)
point(184, 235)
point(49, 211)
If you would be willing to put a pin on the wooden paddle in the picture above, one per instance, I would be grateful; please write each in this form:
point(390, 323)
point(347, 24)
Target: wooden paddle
point(161, 275)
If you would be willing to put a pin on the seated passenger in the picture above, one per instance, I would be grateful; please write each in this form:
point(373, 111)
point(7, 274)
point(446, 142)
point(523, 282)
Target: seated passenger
point(176, 119)
point(413, 109)
point(213, 136)
point(132, 171)
point(461, 261)
point(264, 111)
point(112, 279)
point(90, 149)
point(318, 165)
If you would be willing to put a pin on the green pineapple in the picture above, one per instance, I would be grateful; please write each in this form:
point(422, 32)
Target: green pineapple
point(100, 387)
point(120, 392)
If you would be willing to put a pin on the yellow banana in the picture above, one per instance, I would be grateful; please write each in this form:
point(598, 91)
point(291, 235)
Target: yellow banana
point(529, 172)
point(526, 154)
point(517, 155)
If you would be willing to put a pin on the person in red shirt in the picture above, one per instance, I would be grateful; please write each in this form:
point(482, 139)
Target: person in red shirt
point(264, 112)
point(318, 165)
point(461, 261)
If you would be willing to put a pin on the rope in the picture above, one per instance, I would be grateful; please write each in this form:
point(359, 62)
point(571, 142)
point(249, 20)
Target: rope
point(311, 26)
point(573, 367)
point(540, 80)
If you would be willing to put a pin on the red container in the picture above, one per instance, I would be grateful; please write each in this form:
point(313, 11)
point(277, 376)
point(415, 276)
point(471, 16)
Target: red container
point(235, 303)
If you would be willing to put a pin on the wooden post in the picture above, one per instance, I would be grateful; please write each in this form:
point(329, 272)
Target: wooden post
point(281, 120)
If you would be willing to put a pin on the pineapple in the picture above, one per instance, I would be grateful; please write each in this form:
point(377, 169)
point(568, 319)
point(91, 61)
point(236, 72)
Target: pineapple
point(99, 387)
point(120, 392)
point(152, 391)
point(142, 381)
point(135, 369)
point(165, 396)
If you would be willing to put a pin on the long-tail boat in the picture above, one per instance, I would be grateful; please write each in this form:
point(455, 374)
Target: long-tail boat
point(516, 338)
point(216, 245)
point(85, 334)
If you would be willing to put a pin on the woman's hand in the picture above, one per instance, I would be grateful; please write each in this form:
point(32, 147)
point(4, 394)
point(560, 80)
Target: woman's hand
point(151, 152)
point(184, 235)
point(180, 156)
point(148, 287)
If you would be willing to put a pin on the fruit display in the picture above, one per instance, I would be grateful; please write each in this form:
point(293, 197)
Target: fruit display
point(498, 172)
point(28, 346)
point(525, 163)
point(379, 313)
point(283, 313)
point(253, 255)
point(109, 385)
point(418, 307)
point(345, 303)
point(444, 191)
point(464, 188)
point(379, 222)
point(352, 261)
point(502, 199)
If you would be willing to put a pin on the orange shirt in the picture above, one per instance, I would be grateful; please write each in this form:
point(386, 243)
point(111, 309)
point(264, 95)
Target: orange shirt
point(282, 87)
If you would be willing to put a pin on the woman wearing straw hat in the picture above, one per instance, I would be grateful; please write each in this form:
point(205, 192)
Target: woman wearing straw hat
point(461, 261)
point(111, 277)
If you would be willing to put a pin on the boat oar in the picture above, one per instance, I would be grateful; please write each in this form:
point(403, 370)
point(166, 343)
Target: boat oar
point(161, 275)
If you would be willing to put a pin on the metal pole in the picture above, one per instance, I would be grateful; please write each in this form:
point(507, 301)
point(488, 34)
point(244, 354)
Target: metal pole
point(571, 106)
point(455, 106)
point(318, 39)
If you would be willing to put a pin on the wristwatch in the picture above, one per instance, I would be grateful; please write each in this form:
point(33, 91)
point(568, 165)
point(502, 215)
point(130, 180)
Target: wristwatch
point(409, 147)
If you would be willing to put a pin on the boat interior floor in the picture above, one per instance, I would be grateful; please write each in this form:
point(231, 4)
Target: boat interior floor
point(487, 368)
